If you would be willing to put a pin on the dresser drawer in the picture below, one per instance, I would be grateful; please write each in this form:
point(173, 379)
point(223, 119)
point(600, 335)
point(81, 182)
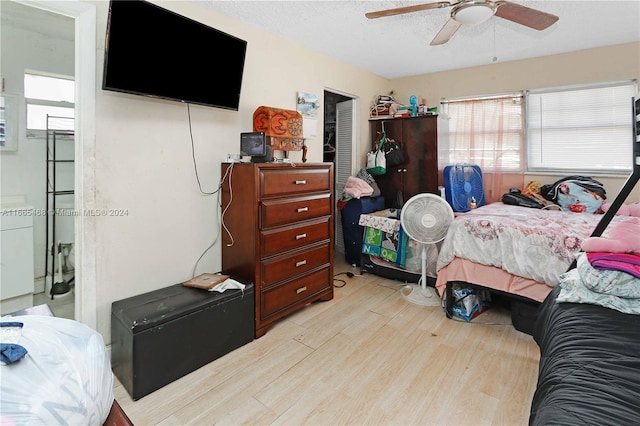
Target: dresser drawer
point(293, 181)
point(283, 267)
point(279, 222)
point(280, 297)
point(280, 240)
point(292, 210)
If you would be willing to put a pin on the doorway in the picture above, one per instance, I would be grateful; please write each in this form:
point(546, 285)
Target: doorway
point(340, 147)
point(331, 99)
point(84, 16)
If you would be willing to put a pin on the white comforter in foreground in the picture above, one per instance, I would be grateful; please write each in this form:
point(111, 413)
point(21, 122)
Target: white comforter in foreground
point(64, 379)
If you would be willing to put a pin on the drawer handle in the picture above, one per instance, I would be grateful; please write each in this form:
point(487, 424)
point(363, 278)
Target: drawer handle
point(303, 209)
point(301, 236)
point(301, 289)
point(301, 182)
point(302, 262)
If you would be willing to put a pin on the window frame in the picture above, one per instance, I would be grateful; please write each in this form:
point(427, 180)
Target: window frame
point(41, 133)
point(572, 171)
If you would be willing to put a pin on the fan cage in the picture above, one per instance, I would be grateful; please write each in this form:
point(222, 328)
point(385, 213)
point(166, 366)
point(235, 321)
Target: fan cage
point(426, 218)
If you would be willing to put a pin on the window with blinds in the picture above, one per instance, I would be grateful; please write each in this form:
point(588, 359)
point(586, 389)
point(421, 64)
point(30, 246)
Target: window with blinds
point(48, 95)
point(580, 129)
point(486, 131)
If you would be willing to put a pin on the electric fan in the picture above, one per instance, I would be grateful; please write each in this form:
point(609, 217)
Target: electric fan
point(425, 218)
point(471, 12)
point(463, 184)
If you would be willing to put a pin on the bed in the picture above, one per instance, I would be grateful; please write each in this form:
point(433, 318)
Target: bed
point(589, 370)
point(588, 331)
point(516, 251)
point(64, 378)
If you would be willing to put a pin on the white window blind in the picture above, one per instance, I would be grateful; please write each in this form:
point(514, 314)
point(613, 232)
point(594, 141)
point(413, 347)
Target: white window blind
point(584, 129)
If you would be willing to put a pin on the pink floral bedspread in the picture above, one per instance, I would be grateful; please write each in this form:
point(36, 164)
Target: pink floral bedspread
point(531, 243)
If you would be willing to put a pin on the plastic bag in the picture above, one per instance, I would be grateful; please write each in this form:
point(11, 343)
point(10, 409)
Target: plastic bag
point(376, 161)
point(65, 378)
point(468, 302)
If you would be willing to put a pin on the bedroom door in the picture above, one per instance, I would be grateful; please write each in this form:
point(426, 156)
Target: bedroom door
point(345, 161)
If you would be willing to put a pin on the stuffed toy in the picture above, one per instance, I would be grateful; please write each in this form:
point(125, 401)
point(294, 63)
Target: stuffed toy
point(632, 209)
point(624, 237)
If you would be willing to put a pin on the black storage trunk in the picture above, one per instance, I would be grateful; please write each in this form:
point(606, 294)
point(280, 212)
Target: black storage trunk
point(352, 232)
point(160, 336)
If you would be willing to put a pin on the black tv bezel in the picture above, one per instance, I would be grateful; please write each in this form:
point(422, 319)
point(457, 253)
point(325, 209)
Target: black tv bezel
point(111, 88)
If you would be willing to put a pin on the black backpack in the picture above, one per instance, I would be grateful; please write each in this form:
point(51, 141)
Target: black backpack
point(550, 191)
point(517, 199)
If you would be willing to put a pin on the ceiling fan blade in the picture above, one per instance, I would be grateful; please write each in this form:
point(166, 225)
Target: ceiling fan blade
point(526, 16)
point(407, 9)
point(446, 32)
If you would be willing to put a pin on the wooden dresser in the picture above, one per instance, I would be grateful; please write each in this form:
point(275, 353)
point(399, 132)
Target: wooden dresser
point(277, 232)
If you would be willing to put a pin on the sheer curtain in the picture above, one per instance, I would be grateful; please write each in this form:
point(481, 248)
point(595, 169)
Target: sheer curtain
point(489, 132)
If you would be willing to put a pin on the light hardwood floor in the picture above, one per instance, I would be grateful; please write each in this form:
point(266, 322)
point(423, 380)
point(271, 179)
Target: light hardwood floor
point(367, 357)
point(62, 306)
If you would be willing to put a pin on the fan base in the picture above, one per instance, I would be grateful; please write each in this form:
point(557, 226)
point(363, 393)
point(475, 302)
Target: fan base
point(418, 295)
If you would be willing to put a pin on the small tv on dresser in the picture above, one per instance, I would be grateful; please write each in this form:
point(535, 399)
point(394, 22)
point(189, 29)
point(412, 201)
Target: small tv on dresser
point(254, 145)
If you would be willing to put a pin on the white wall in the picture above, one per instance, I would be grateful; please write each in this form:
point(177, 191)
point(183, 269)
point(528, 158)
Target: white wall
point(143, 160)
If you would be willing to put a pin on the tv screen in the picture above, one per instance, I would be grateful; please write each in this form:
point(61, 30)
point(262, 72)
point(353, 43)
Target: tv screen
point(253, 144)
point(154, 52)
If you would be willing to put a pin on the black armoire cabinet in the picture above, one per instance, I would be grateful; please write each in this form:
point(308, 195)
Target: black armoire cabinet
point(418, 138)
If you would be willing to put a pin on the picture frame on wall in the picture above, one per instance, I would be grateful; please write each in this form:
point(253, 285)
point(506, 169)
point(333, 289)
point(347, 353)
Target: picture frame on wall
point(307, 105)
point(8, 122)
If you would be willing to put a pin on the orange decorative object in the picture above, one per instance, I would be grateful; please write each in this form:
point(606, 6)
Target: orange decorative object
point(283, 127)
point(285, 144)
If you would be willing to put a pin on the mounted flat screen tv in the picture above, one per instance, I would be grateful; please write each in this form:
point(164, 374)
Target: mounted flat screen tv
point(154, 52)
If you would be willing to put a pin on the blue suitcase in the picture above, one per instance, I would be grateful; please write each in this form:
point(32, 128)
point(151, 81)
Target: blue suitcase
point(352, 232)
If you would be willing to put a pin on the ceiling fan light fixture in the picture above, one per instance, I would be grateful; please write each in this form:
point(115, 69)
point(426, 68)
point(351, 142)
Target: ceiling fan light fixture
point(473, 13)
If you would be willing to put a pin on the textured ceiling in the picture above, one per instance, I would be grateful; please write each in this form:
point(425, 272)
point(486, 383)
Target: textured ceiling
point(398, 46)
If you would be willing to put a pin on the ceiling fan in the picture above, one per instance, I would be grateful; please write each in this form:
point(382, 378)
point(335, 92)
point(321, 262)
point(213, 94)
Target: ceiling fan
point(469, 12)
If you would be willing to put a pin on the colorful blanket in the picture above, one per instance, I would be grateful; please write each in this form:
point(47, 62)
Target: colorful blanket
point(609, 288)
point(532, 243)
point(625, 262)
